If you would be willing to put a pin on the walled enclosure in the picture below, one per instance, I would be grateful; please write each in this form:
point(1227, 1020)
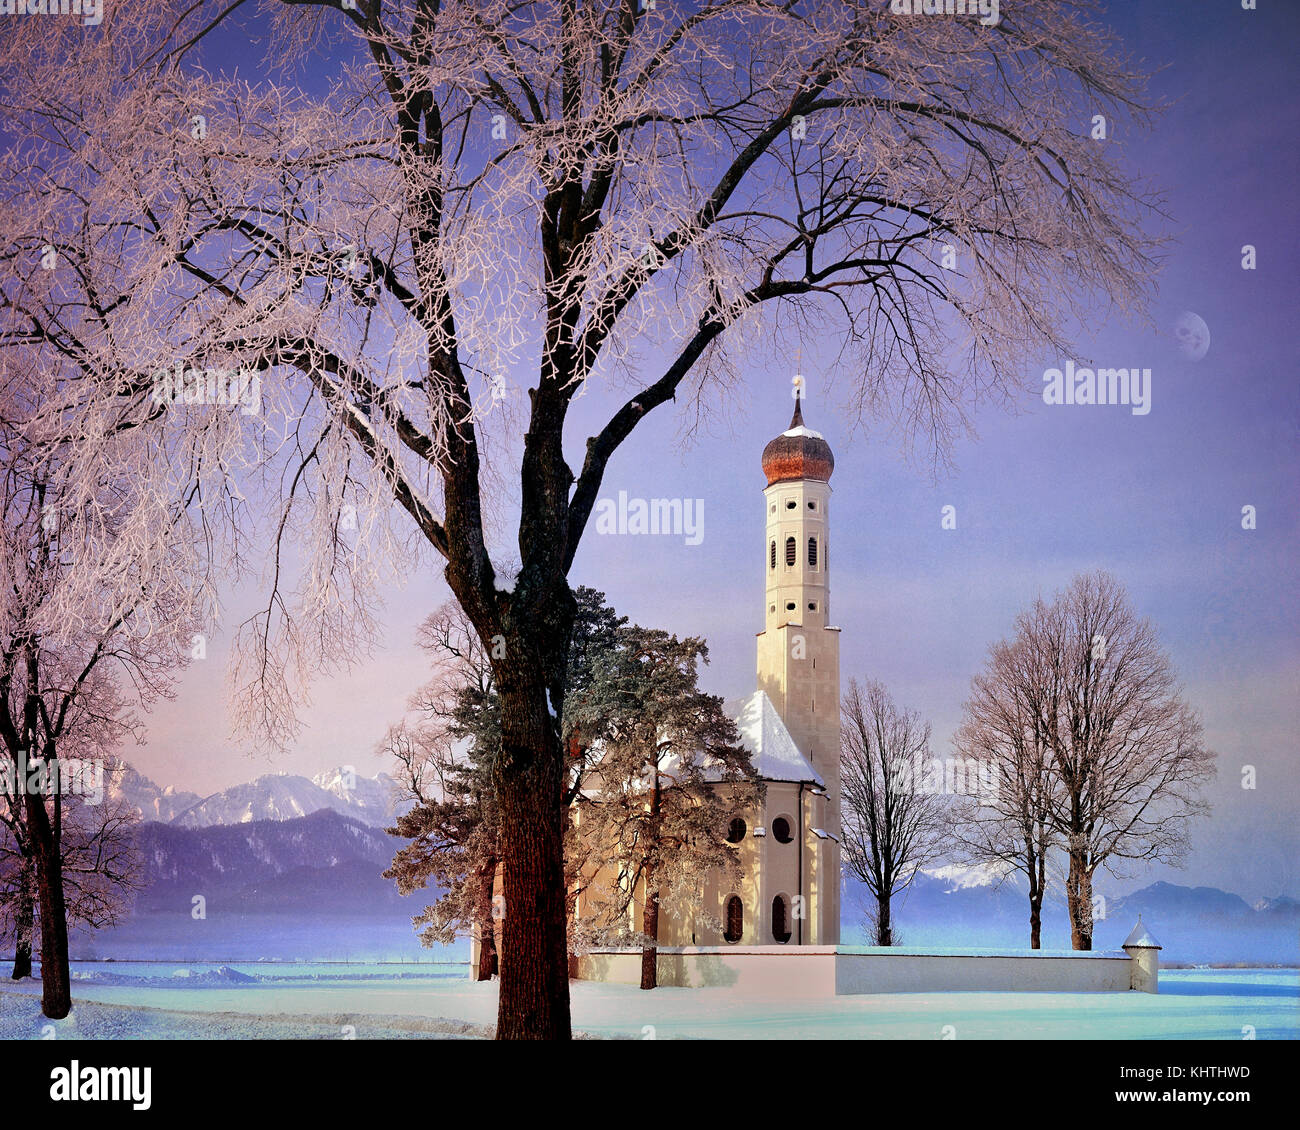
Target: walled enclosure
point(815, 971)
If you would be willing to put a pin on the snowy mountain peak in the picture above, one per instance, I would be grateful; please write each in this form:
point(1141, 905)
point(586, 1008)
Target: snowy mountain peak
point(286, 796)
point(964, 876)
point(140, 794)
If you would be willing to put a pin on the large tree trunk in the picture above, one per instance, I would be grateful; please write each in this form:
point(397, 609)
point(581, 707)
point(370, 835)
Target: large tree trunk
point(56, 990)
point(534, 997)
point(650, 927)
point(884, 931)
point(1037, 887)
point(24, 920)
point(650, 914)
point(1078, 891)
point(487, 937)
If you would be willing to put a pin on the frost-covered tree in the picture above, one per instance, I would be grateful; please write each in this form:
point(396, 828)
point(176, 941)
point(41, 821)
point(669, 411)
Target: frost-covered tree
point(1008, 824)
point(1125, 751)
point(88, 633)
point(893, 823)
point(17, 885)
point(487, 196)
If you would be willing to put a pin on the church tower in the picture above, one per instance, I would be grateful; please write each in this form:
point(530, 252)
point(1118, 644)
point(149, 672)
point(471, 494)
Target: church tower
point(798, 649)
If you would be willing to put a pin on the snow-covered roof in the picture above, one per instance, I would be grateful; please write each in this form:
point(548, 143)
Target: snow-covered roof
point(771, 748)
point(1141, 938)
point(772, 751)
point(803, 430)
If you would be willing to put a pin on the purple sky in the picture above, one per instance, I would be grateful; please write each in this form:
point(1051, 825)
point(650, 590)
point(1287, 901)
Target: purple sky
point(1041, 494)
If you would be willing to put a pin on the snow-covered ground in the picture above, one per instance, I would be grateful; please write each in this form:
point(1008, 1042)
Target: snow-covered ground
point(335, 1001)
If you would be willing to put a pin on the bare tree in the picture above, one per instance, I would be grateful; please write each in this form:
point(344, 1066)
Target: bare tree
point(1124, 751)
point(453, 831)
point(452, 823)
point(445, 756)
point(555, 190)
point(86, 635)
point(1126, 748)
point(101, 867)
point(17, 885)
point(1008, 823)
point(893, 826)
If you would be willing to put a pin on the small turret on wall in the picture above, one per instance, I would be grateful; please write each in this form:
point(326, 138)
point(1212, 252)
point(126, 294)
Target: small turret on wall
point(1144, 959)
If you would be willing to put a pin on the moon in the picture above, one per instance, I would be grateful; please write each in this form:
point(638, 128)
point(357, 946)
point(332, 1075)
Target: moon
point(1192, 335)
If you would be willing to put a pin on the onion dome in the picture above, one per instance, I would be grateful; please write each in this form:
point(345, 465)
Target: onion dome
point(798, 453)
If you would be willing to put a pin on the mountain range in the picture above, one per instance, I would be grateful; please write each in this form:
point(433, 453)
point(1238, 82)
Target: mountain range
point(954, 907)
point(272, 796)
point(292, 867)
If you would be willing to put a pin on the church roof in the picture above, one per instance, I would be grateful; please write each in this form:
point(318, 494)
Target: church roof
point(798, 453)
point(1141, 938)
point(771, 748)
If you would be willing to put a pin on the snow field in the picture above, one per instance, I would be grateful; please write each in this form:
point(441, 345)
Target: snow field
point(375, 1002)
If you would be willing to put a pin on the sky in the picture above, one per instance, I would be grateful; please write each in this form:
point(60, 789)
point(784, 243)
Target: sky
point(1040, 493)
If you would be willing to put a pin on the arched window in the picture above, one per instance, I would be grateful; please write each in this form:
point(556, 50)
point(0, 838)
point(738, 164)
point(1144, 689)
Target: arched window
point(781, 830)
point(736, 831)
point(735, 927)
point(773, 554)
point(791, 553)
point(812, 552)
point(780, 920)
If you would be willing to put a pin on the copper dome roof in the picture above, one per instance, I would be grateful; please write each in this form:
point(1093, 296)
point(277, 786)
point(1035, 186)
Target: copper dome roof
point(798, 453)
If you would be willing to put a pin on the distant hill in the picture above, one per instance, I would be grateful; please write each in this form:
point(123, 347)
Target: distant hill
point(310, 888)
point(290, 865)
point(962, 906)
point(323, 863)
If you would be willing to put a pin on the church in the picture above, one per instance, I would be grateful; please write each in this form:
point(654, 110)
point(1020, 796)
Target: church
point(790, 845)
point(742, 933)
point(789, 842)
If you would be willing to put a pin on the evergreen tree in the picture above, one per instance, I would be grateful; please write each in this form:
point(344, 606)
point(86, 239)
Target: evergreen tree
point(651, 821)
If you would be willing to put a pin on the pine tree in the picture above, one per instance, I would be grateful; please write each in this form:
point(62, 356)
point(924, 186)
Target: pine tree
point(651, 820)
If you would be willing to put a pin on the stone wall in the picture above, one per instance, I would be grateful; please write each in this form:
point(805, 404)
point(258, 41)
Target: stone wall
point(813, 971)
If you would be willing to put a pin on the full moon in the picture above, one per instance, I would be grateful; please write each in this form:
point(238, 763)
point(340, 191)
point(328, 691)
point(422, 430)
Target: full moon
point(1192, 335)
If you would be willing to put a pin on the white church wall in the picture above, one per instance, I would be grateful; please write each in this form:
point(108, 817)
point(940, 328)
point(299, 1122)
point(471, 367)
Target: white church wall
point(816, 971)
point(886, 971)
